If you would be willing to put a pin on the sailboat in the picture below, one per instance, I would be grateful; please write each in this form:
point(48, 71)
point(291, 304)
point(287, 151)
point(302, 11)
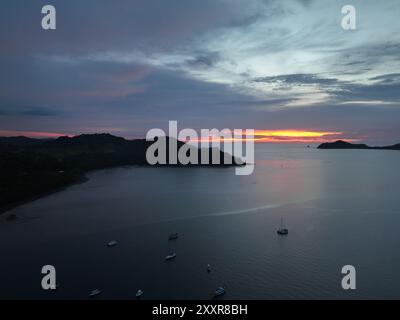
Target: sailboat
point(283, 231)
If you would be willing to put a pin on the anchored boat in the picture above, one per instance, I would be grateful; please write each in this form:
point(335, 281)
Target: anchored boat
point(139, 293)
point(94, 293)
point(219, 292)
point(282, 231)
point(171, 256)
point(173, 236)
point(112, 243)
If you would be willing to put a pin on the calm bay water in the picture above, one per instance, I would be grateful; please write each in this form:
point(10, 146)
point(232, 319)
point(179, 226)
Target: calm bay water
point(341, 207)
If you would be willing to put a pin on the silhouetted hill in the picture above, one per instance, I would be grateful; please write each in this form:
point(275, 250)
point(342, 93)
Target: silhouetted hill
point(31, 167)
point(15, 142)
point(393, 147)
point(340, 144)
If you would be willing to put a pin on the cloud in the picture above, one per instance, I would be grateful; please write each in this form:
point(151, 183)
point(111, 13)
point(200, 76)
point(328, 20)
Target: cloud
point(297, 80)
point(100, 25)
point(205, 60)
point(211, 63)
point(384, 88)
point(387, 78)
point(33, 111)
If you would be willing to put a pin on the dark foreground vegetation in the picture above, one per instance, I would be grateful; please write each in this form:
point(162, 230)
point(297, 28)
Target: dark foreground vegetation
point(30, 168)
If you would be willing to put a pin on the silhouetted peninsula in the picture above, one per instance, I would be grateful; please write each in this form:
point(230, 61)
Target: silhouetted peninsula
point(340, 144)
point(30, 168)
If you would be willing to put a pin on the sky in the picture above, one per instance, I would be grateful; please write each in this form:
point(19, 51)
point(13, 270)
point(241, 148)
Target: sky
point(284, 68)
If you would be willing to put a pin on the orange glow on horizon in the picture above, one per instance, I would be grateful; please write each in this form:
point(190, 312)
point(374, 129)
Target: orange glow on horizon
point(294, 133)
point(282, 136)
point(31, 134)
point(260, 136)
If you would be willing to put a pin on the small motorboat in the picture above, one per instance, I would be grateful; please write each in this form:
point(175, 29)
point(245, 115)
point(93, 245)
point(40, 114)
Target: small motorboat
point(173, 236)
point(208, 268)
point(219, 292)
point(139, 294)
point(112, 243)
point(171, 256)
point(94, 293)
point(282, 231)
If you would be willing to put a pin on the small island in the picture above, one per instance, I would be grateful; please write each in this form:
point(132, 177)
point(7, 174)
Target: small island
point(340, 144)
point(31, 168)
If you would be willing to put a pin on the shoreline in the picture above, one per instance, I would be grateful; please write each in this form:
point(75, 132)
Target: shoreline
point(84, 178)
point(5, 208)
point(34, 168)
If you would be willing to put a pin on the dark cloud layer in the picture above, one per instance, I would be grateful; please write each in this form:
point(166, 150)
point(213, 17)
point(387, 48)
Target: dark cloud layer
point(131, 65)
point(297, 79)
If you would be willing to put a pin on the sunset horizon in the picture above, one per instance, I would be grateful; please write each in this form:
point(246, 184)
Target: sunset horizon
point(248, 65)
point(261, 136)
point(282, 136)
point(197, 158)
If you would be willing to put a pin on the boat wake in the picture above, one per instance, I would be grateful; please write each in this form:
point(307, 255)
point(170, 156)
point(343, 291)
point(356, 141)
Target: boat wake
point(238, 212)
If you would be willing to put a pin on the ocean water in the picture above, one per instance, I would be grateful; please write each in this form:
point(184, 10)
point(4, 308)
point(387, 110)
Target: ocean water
point(341, 208)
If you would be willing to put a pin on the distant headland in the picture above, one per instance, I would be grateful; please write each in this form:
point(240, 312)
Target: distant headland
point(340, 144)
point(31, 168)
